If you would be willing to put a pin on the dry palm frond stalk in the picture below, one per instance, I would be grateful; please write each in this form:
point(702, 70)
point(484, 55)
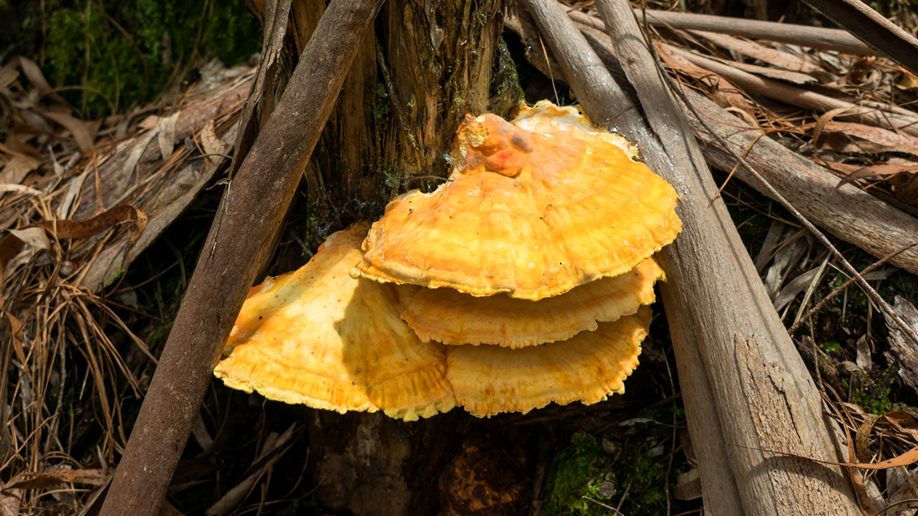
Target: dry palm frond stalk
point(318, 338)
point(237, 246)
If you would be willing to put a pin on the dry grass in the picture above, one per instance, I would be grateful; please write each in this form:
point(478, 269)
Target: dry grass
point(82, 199)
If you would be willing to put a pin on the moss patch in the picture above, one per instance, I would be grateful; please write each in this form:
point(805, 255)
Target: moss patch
point(108, 55)
point(624, 468)
point(582, 475)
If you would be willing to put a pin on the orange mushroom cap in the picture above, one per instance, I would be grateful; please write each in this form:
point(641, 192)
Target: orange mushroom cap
point(450, 317)
point(321, 338)
point(488, 380)
point(528, 212)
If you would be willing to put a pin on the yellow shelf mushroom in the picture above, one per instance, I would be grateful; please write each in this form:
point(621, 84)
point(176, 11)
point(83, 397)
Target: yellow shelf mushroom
point(450, 317)
point(530, 213)
point(543, 235)
point(323, 339)
point(489, 380)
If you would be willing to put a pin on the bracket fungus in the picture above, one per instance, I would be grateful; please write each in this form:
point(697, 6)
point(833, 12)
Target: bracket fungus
point(321, 338)
point(531, 213)
point(450, 317)
point(489, 380)
point(542, 239)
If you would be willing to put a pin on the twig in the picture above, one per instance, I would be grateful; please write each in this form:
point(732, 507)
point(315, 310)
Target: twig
point(813, 37)
point(254, 209)
point(872, 28)
point(801, 97)
point(832, 295)
point(736, 331)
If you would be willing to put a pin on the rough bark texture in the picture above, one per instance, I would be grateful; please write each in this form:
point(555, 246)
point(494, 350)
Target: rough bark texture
point(764, 398)
point(236, 248)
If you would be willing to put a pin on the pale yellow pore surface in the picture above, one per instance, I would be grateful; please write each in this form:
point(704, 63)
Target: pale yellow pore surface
point(489, 380)
point(530, 214)
point(448, 316)
point(321, 338)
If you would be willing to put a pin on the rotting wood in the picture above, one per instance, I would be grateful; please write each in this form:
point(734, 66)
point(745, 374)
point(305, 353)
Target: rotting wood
point(813, 37)
point(391, 129)
point(236, 247)
point(763, 395)
point(847, 212)
point(872, 28)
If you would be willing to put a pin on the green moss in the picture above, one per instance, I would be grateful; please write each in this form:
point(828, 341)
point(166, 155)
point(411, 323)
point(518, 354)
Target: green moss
point(831, 346)
point(109, 55)
point(586, 479)
point(506, 92)
point(582, 470)
point(872, 392)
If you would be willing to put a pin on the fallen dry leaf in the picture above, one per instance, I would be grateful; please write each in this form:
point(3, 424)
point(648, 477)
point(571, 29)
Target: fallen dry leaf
point(34, 237)
point(211, 144)
point(82, 131)
point(53, 476)
point(866, 138)
point(86, 228)
point(908, 81)
point(882, 170)
point(17, 168)
point(34, 75)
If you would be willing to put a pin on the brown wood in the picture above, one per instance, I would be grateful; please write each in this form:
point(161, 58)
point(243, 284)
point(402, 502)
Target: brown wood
point(872, 28)
point(753, 84)
point(764, 398)
point(236, 247)
point(848, 212)
point(813, 37)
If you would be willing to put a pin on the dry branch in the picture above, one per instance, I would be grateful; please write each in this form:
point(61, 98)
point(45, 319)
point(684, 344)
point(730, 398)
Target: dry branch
point(872, 28)
point(814, 37)
point(763, 395)
point(896, 121)
point(236, 247)
point(847, 212)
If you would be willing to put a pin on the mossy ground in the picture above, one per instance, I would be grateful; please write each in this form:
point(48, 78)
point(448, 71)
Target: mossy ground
point(107, 55)
point(627, 467)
